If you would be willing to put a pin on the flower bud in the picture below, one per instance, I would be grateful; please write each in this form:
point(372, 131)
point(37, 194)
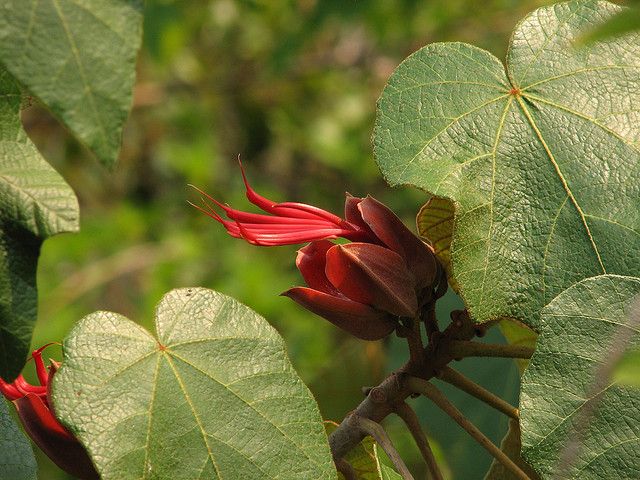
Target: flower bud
point(372, 275)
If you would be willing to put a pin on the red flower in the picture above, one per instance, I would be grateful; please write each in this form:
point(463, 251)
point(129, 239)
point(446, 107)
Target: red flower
point(362, 287)
point(38, 419)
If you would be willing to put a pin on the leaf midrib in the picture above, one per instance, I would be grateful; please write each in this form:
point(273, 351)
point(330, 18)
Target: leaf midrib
point(562, 178)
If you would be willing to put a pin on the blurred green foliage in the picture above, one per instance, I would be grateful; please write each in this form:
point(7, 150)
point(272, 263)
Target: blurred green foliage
point(291, 86)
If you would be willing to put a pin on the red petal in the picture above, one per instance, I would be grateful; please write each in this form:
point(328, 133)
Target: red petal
point(53, 439)
point(41, 371)
point(395, 235)
point(359, 320)
point(374, 275)
point(9, 391)
point(311, 263)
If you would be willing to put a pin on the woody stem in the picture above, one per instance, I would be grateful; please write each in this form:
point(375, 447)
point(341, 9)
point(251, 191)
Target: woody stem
point(416, 347)
point(430, 391)
point(462, 348)
point(375, 430)
point(458, 380)
point(406, 413)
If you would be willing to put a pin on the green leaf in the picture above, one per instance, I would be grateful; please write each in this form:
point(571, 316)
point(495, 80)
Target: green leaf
point(79, 59)
point(214, 396)
point(511, 446)
point(384, 471)
point(541, 160)
point(35, 203)
point(435, 226)
point(16, 457)
point(574, 343)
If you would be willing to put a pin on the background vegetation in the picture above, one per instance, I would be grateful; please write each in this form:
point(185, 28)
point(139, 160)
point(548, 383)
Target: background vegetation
point(290, 86)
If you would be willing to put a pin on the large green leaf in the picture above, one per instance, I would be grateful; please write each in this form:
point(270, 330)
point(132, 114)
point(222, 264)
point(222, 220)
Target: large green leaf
point(213, 396)
point(35, 202)
point(575, 340)
point(541, 160)
point(78, 57)
point(16, 457)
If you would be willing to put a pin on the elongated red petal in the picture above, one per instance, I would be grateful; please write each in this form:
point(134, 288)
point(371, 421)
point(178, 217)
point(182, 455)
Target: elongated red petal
point(375, 275)
point(9, 391)
point(291, 238)
point(269, 205)
point(41, 370)
point(359, 320)
point(395, 235)
point(25, 387)
point(311, 261)
point(318, 212)
point(53, 439)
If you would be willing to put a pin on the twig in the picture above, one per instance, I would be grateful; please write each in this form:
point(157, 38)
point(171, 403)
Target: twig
point(346, 469)
point(406, 413)
point(457, 379)
point(430, 391)
point(380, 400)
point(461, 349)
point(416, 347)
point(380, 436)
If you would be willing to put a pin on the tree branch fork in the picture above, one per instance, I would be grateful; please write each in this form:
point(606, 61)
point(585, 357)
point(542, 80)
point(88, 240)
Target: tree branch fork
point(412, 379)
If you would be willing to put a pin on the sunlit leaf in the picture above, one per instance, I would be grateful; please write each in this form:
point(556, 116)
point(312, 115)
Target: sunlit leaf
point(213, 396)
point(35, 203)
point(78, 57)
point(540, 159)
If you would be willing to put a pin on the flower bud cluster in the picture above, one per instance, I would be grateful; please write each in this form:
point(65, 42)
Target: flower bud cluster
point(363, 287)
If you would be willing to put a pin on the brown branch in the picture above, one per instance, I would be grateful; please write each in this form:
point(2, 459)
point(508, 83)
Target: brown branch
point(461, 349)
point(430, 391)
point(381, 399)
point(406, 413)
point(375, 430)
point(458, 380)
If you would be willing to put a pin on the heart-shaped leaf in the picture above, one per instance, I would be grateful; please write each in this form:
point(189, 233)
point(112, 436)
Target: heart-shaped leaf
point(16, 457)
point(560, 399)
point(540, 160)
point(214, 396)
point(35, 203)
point(79, 59)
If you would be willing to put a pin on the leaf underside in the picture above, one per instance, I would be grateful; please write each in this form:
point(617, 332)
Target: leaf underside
point(16, 457)
point(575, 342)
point(214, 396)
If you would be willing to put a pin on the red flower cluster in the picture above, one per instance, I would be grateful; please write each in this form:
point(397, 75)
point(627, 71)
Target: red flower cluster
point(34, 409)
point(362, 287)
